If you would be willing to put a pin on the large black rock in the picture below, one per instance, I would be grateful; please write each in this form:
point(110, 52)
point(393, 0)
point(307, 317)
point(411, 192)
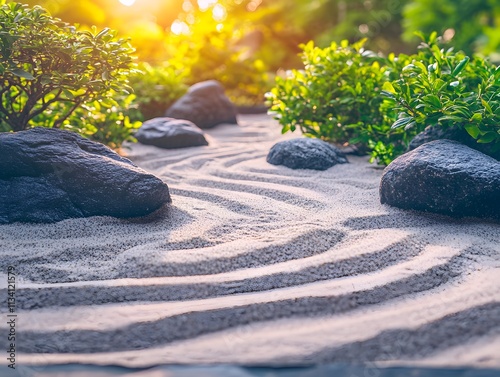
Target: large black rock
point(48, 175)
point(445, 177)
point(205, 104)
point(170, 133)
point(305, 153)
point(432, 133)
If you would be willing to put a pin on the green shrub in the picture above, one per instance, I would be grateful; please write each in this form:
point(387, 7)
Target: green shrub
point(336, 97)
point(107, 123)
point(348, 95)
point(156, 88)
point(447, 88)
point(49, 70)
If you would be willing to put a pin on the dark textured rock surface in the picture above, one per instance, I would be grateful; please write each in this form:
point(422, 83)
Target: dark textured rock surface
point(305, 153)
point(170, 133)
point(48, 175)
point(205, 104)
point(432, 133)
point(444, 177)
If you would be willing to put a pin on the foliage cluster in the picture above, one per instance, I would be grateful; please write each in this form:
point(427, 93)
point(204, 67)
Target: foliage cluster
point(156, 88)
point(336, 96)
point(205, 35)
point(347, 94)
point(447, 88)
point(50, 73)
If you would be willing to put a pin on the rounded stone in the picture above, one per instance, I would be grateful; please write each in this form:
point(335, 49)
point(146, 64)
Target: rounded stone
point(444, 177)
point(305, 153)
point(48, 175)
point(170, 133)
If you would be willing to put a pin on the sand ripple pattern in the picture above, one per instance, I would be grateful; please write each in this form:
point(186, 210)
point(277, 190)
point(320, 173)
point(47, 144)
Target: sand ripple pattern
point(257, 264)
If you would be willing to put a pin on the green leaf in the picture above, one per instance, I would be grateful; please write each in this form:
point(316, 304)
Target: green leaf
point(477, 118)
point(487, 106)
point(488, 137)
point(410, 125)
point(451, 118)
point(102, 33)
point(420, 34)
point(432, 100)
point(20, 73)
point(402, 122)
point(388, 87)
point(459, 68)
point(433, 37)
point(472, 130)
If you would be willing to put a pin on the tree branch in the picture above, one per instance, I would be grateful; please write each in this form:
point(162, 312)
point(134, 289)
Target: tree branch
point(78, 102)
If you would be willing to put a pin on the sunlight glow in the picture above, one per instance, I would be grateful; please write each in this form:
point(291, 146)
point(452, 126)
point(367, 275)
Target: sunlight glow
point(253, 5)
point(178, 27)
point(187, 6)
point(127, 3)
point(219, 13)
point(205, 4)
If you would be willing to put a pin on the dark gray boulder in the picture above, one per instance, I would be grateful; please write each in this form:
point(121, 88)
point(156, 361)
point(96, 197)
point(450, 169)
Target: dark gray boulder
point(48, 175)
point(432, 133)
point(305, 153)
point(170, 133)
point(205, 104)
point(444, 177)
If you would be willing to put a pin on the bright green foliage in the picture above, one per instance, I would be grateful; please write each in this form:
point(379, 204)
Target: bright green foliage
point(110, 125)
point(442, 87)
point(346, 94)
point(156, 89)
point(336, 97)
point(49, 70)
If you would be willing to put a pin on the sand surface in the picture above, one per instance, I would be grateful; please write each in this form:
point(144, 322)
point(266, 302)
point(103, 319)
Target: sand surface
point(257, 264)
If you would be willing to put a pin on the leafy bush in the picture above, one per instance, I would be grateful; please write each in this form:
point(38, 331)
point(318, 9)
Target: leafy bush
point(104, 122)
point(348, 95)
point(336, 97)
point(49, 70)
point(449, 89)
point(156, 89)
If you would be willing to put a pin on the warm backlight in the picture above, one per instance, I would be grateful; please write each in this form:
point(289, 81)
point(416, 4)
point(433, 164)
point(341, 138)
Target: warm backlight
point(128, 3)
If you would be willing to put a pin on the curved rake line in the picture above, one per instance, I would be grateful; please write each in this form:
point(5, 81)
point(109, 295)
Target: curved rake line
point(450, 331)
point(193, 324)
point(296, 248)
point(31, 298)
point(275, 194)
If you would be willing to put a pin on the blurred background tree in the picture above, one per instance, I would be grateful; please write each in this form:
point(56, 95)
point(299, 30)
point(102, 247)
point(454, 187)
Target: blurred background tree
point(244, 43)
point(474, 25)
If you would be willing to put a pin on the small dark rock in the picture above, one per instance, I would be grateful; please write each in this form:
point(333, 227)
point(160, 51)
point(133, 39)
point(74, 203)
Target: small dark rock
point(205, 104)
point(170, 133)
point(432, 133)
point(48, 175)
point(305, 153)
point(444, 177)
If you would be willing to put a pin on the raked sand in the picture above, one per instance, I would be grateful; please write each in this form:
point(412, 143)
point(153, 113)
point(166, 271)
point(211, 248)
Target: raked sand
point(256, 264)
